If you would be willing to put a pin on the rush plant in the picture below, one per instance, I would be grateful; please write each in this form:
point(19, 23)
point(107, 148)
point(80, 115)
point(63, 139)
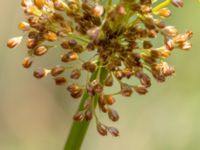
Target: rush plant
point(118, 38)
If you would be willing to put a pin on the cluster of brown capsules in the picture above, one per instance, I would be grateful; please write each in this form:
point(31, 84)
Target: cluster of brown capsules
point(117, 37)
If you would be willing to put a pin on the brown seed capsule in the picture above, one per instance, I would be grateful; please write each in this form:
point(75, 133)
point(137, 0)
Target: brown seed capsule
point(113, 115)
point(88, 115)
point(40, 73)
point(144, 79)
point(147, 45)
point(89, 66)
point(126, 90)
point(113, 131)
point(24, 26)
point(50, 36)
point(40, 3)
point(75, 74)
point(25, 3)
point(170, 31)
point(14, 42)
point(169, 44)
point(60, 80)
point(27, 62)
point(41, 50)
point(109, 81)
point(102, 100)
point(102, 129)
point(79, 116)
point(65, 45)
point(119, 74)
point(57, 70)
point(71, 56)
point(97, 87)
point(185, 46)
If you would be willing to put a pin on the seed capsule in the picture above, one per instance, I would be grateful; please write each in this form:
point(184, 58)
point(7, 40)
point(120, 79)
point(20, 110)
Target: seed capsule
point(75, 90)
point(14, 42)
point(60, 80)
point(57, 70)
point(97, 11)
point(141, 89)
point(27, 62)
point(110, 100)
point(40, 3)
point(113, 115)
point(41, 50)
point(164, 12)
point(31, 43)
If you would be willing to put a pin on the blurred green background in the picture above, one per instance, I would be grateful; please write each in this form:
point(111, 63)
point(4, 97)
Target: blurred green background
point(36, 115)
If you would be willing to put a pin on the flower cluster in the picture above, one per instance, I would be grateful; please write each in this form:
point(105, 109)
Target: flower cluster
point(118, 37)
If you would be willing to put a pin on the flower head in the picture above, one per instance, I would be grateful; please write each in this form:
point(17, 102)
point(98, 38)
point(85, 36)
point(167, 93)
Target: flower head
point(117, 38)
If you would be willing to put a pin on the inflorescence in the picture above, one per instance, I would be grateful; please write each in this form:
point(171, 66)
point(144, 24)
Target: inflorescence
point(118, 37)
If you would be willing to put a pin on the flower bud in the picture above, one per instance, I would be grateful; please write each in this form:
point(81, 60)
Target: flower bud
point(75, 74)
point(88, 115)
point(89, 66)
point(97, 11)
point(79, 116)
point(57, 70)
point(113, 115)
point(40, 73)
point(41, 50)
point(31, 43)
point(170, 31)
point(40, 3)
point(110, 100)
point(71, 56)
point(109, 81)
point(141, 89)
point(102, 129)
point(27, 62)
point(24, 26)
point(50, 36)
point(178, 3)
point(14, 42)
point(164, 12)
point(113, 131)
point(60, 80)
point(75, 90)
point(126, 90)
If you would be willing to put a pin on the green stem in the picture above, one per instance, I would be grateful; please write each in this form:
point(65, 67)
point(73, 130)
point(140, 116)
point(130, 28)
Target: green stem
point(162, 5)
point(79, 129)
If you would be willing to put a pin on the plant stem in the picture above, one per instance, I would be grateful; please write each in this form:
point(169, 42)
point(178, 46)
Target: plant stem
point(162, 5)
point(79, 129)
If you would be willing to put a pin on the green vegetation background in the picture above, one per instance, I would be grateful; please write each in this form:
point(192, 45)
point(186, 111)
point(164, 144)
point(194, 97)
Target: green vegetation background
point(36, 115)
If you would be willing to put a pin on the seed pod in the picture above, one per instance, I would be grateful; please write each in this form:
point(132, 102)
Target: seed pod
point(144, 79)
point(71, 56)
point(40, 73)
point(57, 70)
point(88, 115)
point(89, 66)
point(113, 131)
point(24, 26)
point(102, 100)
point(50, 36)
point(109, 80)
point(79, 116)
point(147, 45)
point(119, 74)
point(41, 50)
point(102, 129)
point(60, 80)
point(26, 3)
point(127, 72)
point(75, 74)
point(185, 46)
point(178, 3)
point(60, 5)
point(126, 90)
point(14, 42)
point(113, 115)
point(27, 62)
point(72, 43)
